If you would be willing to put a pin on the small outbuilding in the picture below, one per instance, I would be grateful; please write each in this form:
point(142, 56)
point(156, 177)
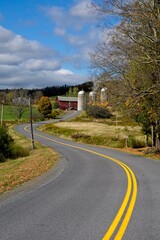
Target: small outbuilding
point(67, 103)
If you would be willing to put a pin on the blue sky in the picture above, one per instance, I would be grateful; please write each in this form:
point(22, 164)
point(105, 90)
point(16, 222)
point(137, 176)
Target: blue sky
point(46, 42)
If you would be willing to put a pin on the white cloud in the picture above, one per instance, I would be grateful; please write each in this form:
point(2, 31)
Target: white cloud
point(59, 31)
point(8, 58)
point(28, 64)
point(76, 17)
point(11, 43)
point(75, 40)
point(76, 27)
point(64, 72)
point(5, 35)
point(40, 64)
point(83, 9)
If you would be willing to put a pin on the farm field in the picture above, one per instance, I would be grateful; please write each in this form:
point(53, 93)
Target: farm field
point(92, 131)
point(10, 113)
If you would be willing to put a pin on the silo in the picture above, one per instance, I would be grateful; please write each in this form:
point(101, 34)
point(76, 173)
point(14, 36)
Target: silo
point(92, 97)
point(104, 94)
point(81, 101)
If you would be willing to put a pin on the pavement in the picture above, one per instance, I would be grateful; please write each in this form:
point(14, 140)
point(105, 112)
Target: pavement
point(81, 197)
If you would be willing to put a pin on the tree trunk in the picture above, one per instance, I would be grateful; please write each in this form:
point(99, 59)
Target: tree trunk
point(146, 140)
point(153, 136)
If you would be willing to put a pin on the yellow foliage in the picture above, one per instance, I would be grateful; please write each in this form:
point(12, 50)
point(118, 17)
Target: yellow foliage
point(100, 104)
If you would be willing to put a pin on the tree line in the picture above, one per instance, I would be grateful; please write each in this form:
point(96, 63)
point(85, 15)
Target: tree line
point(8, 94)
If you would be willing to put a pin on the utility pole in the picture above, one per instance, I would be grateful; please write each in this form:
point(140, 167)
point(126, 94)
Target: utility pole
point(32, 136)
point(2, 112)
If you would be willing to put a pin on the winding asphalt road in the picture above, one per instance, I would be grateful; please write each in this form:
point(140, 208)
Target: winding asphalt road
point(93, 193)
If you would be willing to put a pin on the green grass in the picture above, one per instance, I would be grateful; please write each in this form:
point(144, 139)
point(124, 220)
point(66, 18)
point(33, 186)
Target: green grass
point(52, 129)
point(10, 115)
point(99, 140)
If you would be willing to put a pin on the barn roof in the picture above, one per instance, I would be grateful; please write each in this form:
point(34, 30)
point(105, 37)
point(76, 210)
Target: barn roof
point(67, 99)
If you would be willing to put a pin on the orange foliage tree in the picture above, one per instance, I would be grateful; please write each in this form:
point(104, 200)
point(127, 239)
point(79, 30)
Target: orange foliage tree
point(45, 106)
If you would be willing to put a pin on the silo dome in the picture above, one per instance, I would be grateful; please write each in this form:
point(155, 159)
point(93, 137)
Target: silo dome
point(92, 96)
point(81, 92)
point(103, 89)
point(81, 100)
point(104, 94)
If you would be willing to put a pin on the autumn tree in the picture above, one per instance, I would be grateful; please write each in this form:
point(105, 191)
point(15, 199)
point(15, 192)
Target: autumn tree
point(45, 106)
point(129, 54)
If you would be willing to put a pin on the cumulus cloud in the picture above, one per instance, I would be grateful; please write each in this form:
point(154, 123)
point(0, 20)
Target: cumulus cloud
point(28, 64)
point(76, 17)
point(59, 31)
point(76, 27)
point(83, 9)
point(40, 64)
point(64, 72)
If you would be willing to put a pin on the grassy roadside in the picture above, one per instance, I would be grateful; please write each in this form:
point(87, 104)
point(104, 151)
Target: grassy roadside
point(96, 133)
point(15, 172)
point(103, 134)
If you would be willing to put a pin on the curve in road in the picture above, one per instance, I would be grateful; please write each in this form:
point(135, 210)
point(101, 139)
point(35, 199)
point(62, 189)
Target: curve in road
point(95, 190)
point(127, 206)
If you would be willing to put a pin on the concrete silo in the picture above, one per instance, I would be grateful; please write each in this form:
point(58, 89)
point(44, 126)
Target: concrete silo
point(81, 101)
point(104, 95)
point(92, 97)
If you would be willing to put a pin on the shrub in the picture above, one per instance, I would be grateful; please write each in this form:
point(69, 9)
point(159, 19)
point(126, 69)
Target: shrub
point(135, 143)
point(55, 105)
point(55, 113)
point(8, 149)
point(18, 151)
point(109, 141)
point(2, 158)
point(37, 116)
point(6, 143)
point(99, 111)
point(79, 135)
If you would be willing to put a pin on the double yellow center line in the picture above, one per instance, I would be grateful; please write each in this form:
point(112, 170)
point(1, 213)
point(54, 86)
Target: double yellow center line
point(122, 218)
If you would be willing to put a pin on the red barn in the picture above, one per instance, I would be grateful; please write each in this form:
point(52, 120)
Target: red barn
point(68, 103)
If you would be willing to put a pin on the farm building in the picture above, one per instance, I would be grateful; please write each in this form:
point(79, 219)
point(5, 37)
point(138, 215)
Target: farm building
point(67, 102)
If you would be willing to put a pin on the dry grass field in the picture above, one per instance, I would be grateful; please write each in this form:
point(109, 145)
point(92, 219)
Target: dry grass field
point(99, 129)
point(98, 132)
point(103, 133)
